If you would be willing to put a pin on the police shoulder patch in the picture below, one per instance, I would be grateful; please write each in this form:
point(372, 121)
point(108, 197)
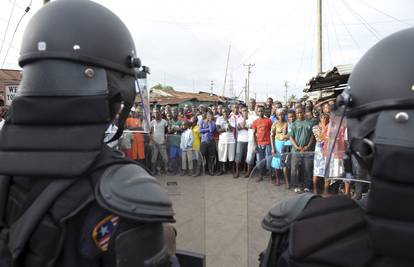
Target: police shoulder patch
point(103, 231)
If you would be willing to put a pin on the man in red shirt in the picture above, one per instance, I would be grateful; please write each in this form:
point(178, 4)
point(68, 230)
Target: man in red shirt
point(261, 128)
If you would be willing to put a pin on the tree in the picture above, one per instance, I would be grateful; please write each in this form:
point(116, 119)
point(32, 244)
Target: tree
point(161, 87)
point(157, 87)
point(292, 98)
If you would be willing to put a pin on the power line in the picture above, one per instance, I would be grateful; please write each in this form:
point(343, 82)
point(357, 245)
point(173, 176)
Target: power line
point(362, 20)
point(385, 14)
point(15, 30)
point(270, 37)
point(327, 37)
point(18, 6)
point(336, 34)
point(313, 48)
point(347, 30)
point(7, 27)
point(304, 49)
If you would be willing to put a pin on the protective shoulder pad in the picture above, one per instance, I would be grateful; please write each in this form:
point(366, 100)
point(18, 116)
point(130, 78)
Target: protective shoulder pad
point(130, 192)
point(283, 214)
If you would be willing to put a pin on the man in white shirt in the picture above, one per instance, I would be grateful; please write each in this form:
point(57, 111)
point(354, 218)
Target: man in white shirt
point(242, 139)
point(157, 139)
point(227, 142)
point(251, 143)
point(252, 107)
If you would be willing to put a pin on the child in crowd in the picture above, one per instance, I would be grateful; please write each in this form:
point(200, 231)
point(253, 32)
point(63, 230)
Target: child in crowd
point(186, 147)
point(278, 132)
point(196, 147)
point(287, 148)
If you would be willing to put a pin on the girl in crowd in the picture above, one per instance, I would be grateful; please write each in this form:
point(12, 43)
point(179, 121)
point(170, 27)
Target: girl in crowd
point(286, 157)
point(279, 137)
point(196, 147)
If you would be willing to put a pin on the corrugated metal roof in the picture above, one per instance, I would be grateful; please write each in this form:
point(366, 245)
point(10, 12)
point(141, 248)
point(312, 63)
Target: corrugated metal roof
point(173, 97)
point(7, 76)
point(334, 79)
point(344, 69)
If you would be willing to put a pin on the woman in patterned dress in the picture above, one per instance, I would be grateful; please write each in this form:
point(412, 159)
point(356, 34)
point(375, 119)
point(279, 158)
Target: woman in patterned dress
point(320, 132)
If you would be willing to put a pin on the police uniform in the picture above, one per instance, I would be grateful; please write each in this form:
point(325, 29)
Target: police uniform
point(67, 199)
point(378, 107)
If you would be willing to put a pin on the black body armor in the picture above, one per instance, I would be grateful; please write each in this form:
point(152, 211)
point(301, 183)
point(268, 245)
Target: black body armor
point(67, 199)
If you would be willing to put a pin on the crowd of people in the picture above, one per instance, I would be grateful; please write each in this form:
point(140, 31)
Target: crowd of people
point(286, 142)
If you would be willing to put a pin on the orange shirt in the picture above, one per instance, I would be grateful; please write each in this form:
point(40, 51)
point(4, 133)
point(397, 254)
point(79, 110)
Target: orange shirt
point(137, 150)
point(262, 127)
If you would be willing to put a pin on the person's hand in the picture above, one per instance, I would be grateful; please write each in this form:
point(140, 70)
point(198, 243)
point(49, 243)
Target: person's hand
point(305, 148)
point(273, 152)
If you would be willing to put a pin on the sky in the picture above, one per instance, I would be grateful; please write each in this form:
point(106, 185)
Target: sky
point(186, 42)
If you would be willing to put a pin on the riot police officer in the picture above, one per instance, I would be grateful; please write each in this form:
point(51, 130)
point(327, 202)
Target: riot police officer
point(378, 108)
point(67, 199)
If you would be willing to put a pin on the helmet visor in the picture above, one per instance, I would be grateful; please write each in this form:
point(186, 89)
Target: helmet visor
point(340, 164)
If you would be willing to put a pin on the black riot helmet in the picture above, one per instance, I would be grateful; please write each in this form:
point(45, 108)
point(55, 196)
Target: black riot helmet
point(79, 63)
point(379, 109)
point(90, 37)
point(383, 80)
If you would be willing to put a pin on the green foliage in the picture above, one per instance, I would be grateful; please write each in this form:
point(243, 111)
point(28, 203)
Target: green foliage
point(161, 87)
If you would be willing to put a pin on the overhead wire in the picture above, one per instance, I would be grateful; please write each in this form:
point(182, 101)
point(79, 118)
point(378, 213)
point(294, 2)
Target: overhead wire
point(385, 14)
point(7, 27)
point(347, 30)
point(313, 49)
point(371, 29)
point(305, 43)
point(271, 36)
point(325, 23)
point(15, 30)
point(335, 33)
point(17, 5)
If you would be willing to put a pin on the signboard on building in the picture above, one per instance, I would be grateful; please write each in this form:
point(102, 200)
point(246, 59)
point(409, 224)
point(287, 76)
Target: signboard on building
point(10, 92)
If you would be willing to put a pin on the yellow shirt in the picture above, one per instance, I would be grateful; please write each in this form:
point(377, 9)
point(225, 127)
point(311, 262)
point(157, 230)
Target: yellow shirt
point(197, 138)
point(278, 128)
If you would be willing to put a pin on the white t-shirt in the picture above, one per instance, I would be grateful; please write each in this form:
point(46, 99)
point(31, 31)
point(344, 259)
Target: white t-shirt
point(225, 137)
point(158, 134)
point(242, 135)
point(250, 132)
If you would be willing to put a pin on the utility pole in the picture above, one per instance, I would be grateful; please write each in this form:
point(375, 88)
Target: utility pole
point(246, 98)
point(227, 67)
point(249, 66)
point(286, 92)
point(231, 86)
point(211, 87)
point(319, 37)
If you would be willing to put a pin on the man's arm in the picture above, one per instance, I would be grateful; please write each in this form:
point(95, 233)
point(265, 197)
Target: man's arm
point(254, 134)
point(306, 148)
point(211, 127)
point(272, 138)
point(203, 130)
point(293, 140)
